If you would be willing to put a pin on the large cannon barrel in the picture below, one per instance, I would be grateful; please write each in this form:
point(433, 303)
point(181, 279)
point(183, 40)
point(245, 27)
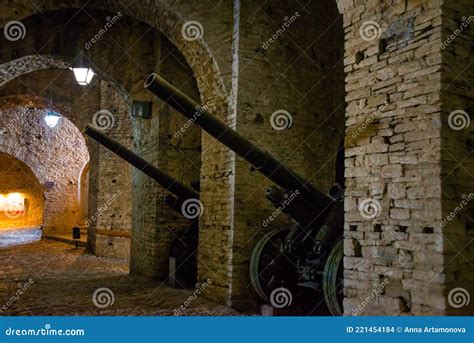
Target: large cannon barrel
point(263, 161)
point(166, 181)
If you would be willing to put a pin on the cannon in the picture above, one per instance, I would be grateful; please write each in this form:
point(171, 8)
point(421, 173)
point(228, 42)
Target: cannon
point(183, 247)
point(305, 259)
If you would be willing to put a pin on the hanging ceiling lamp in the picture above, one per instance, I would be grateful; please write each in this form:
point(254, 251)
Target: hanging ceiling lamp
point(82, 71)
point(52, 118)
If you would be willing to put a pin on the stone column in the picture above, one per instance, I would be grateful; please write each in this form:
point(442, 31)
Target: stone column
point(397, 252)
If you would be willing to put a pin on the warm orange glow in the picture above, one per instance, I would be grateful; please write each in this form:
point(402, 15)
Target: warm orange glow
point(13, 202)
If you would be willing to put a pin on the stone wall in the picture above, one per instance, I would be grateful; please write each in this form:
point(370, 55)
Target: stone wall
point(111, 222)
point(170, 143)
point(138, 58)
point(55, 155)
point(393, 233)
point(60, 90)
point(406, 168)
point(17, 177)
point(290, 66)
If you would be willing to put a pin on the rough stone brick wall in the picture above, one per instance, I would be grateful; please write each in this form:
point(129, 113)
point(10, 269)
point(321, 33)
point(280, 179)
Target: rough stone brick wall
point(393, 158)
point(54, 87)
point(301, 72)
point(154, 222)
point(178, 153)
point(111, 224)
point(401, 153)
point(17, 177)
point(55, 155)
point(205, 55)
point(81, 103)
point(457, 160)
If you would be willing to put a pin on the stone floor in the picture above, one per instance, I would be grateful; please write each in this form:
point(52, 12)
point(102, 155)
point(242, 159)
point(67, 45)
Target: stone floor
point(11, 237)
point(53, 278)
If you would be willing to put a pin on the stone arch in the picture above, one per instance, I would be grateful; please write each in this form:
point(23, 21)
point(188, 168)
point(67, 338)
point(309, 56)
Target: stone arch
point(344, 5)
point(32, 63)
point(197, 55)
point(169, 22)
point(37, 102)
point(18, 177)
point(26, 137)
point(107, 93)
point(83, 191)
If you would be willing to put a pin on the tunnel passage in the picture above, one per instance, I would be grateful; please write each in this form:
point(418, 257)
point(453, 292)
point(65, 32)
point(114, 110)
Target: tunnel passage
point(21, 195)
point(55, 154)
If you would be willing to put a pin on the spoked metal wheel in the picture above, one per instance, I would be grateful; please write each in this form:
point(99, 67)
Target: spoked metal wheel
point(263, 259)
point(332, 279)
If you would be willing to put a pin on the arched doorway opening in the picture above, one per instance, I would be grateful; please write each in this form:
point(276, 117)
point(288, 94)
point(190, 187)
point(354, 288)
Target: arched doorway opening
point(153, 224)
point(21, 195)
point(56, 154)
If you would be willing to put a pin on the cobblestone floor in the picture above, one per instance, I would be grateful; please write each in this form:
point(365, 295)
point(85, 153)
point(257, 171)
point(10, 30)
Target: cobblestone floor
point(52, 278)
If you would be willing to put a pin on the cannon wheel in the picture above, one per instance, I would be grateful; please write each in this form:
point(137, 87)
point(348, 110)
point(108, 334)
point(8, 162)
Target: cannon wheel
point(332, 279)
point(263, 255)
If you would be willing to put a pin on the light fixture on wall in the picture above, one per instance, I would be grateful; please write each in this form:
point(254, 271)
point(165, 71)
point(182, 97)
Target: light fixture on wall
point(82, 72)
point(52, 119)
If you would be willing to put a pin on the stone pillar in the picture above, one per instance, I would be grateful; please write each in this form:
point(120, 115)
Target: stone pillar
point(112, 218)
point(397, 255)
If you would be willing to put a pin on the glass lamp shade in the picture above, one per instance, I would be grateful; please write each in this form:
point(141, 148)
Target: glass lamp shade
point(83, 75)
point(52, 119)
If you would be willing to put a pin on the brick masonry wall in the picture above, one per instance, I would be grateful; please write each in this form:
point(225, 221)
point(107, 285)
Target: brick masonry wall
point(393, 172)
point(17, 177)
point(111, 224)
point(55, 155)
point(300, 72)
point(80, 104)
point(159, 141)
point(400, 87)
point(205, 56)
